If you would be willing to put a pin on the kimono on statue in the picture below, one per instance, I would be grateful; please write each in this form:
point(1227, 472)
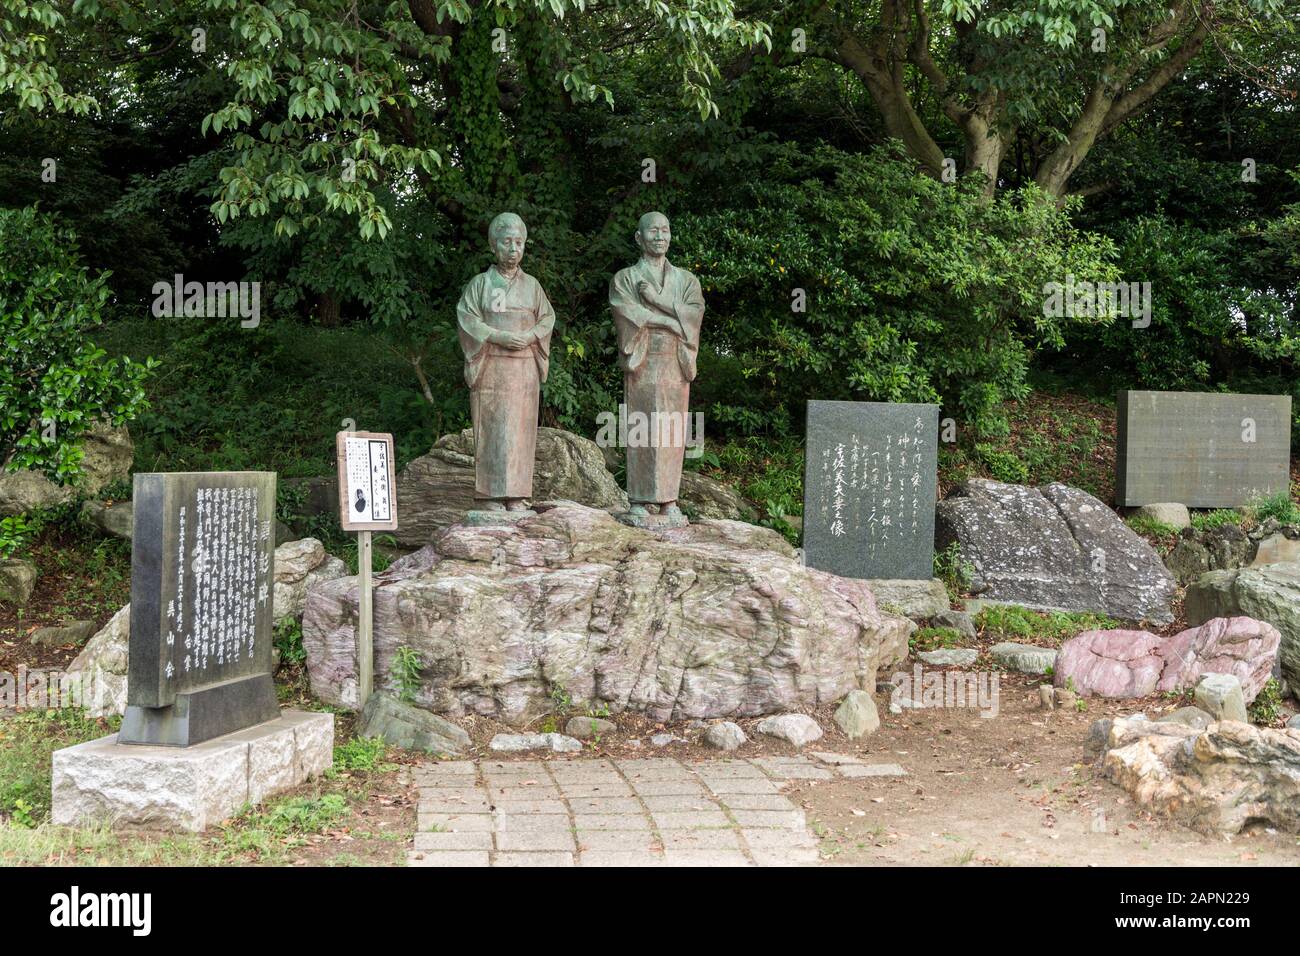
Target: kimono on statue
point(658, 368)
point(504, 382)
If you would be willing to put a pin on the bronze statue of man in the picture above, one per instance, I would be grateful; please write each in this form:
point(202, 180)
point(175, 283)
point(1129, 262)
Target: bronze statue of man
point(657, 310)
point(505, 324)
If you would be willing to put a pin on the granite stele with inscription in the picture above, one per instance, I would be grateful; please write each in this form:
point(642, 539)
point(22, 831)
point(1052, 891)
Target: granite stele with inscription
point(869, 489)
point(201, 607)
point(1203, 449)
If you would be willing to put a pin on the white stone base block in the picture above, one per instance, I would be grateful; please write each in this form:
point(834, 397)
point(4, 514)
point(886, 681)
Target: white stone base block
point(188, 788)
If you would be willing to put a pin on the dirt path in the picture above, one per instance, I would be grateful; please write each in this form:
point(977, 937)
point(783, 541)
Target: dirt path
point(1008, 790)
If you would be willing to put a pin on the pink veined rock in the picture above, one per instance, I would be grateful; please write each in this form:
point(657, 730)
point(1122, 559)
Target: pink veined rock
point(1241, 646)
point(1115, 663)
point(1124, 663)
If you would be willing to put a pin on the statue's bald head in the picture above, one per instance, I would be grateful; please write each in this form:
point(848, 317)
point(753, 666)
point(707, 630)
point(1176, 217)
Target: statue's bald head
point(502, 222)
point(653, 234)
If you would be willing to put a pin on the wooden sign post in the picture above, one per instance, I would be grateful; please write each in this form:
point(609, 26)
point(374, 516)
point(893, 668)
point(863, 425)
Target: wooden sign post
point(367, 502)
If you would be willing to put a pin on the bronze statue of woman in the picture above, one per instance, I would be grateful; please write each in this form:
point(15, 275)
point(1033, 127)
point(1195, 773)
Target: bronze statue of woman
point(658, 309)
point(505, 324)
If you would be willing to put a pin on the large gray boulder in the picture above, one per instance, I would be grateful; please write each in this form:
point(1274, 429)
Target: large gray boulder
point(705, 498)
point(717, 619)
point(299, 566)
point(107, 455)
point(1270, 593)
point(435, 490)
point(1053, 548)
point(410, 728)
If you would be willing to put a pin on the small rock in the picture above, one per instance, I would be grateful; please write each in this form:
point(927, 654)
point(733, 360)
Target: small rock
point(856, 715)
point(837, 760)
point(514, 743)
point(1046, 697)
point(1294, 723)
point(17, 579)
point(725, 736)
point(1025, 658)
point(663, 740)
point(918, 599)
point(1098, 736)
point(873, 770)
point(589, 727)
point(960, 621)
point(1192, 717)
point(798, 729)
point(698, 724)
point(412, 728)
point(949, 656)
point(1065, 698)
point(78, 632)
point(116, 520)
point(1166, 512)
point(1220, 695)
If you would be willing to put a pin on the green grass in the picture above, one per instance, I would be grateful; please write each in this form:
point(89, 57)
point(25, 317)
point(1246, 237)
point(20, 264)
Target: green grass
point(1279, 506)
point(935, 638)
point(1209, 520)
point(1150, 527)
point(1010, 622)
point(265, 835)
point(27, 742)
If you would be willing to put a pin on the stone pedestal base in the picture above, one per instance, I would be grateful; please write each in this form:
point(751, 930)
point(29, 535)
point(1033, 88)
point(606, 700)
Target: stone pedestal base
point(654, 522)
point(188, 788)
point(482, 519)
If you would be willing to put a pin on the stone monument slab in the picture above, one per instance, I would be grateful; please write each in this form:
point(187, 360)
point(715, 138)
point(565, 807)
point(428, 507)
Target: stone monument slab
point(869, 489)
point(201, 607)
point(187, 788)
point(1203, 449)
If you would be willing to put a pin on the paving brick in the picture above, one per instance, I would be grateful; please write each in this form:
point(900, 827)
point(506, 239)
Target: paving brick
point(743, 785)
point(544, 858)
point(700, 839)
point(630, 840)
point(532, 822)
point(681, 820)
point(619, 858)
point(532, 840)
point(453, 821)
point(680, 802)
point(498, 794)
point(654, 788)
point(756, 801)
point(619, 789)
point(458, 805)
point(610, 821)
point(705, 858)
point(605, 805)
point(770, 818)
point(531, 807)
point(727, 770)
point(873, 770)
point(454, 840)
point(447, 858)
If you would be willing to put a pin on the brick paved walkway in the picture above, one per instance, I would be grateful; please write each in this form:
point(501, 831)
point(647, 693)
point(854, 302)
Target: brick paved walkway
point(601, 812)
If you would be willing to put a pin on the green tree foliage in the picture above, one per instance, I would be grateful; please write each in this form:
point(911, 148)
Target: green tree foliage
point(915, 291)
point(55, 383)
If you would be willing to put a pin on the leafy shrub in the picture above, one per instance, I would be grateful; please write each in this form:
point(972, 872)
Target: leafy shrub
point(54, 382)
point(933, 638)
